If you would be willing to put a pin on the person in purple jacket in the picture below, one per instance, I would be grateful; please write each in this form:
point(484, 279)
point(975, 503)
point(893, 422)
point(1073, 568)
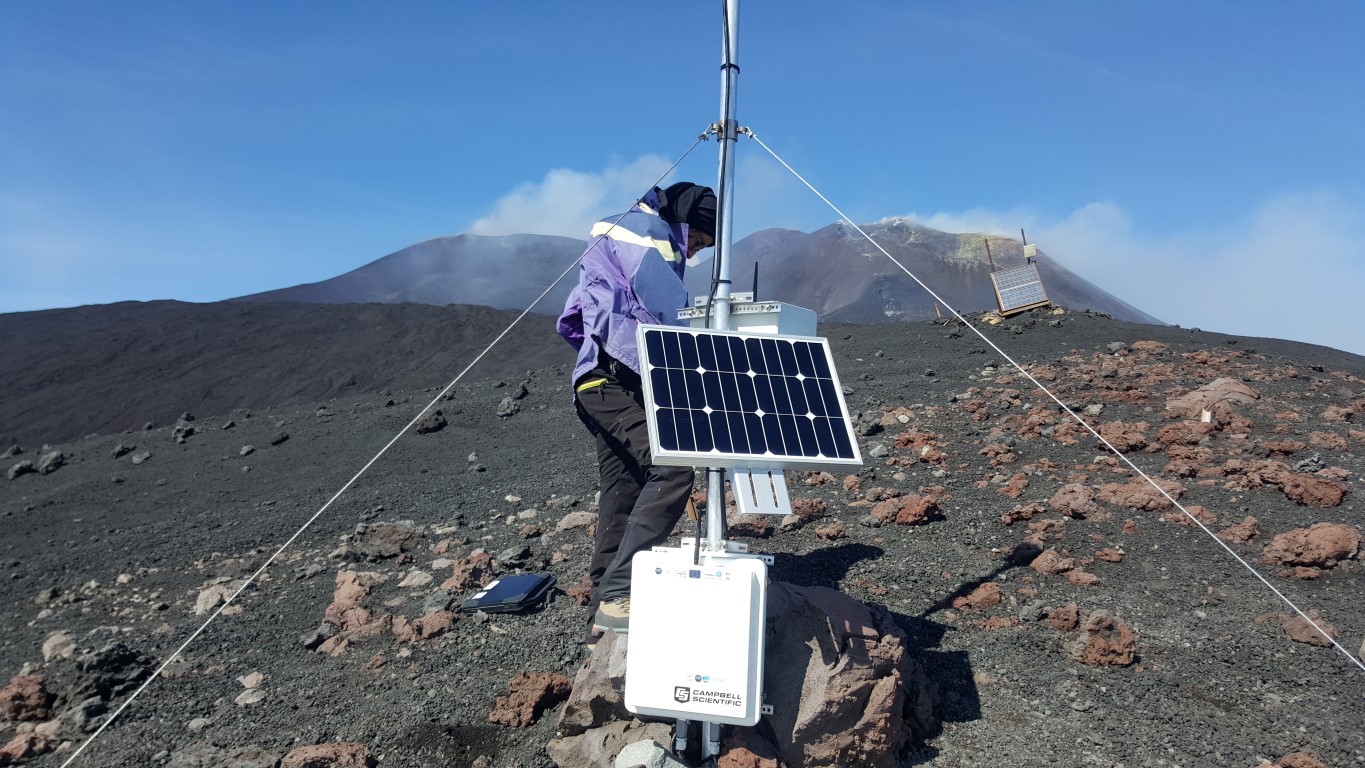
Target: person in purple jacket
point(631, 274)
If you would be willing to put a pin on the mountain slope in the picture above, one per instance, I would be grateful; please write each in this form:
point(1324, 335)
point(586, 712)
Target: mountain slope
point(845, 279)
point(833, 271)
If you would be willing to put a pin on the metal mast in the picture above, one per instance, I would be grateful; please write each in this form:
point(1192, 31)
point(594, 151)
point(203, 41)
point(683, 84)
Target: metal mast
point(728, 132)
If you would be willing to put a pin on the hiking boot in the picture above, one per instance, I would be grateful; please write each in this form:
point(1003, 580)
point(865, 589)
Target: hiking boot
point(613, 614)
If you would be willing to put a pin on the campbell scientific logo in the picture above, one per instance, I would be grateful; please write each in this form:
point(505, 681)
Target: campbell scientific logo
point(682, 694)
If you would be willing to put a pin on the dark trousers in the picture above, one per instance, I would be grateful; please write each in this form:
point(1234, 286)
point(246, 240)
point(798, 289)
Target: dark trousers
point(640, 502)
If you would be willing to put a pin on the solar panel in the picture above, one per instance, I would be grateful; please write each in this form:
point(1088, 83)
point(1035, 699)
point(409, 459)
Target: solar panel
point(728, 399)
point(1019, 288)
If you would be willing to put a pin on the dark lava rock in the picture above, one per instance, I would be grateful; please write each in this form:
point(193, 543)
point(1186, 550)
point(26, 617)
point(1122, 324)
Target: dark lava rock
point(110, 671)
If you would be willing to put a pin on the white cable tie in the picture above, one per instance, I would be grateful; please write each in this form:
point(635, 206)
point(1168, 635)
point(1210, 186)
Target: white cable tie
point(1064, 407)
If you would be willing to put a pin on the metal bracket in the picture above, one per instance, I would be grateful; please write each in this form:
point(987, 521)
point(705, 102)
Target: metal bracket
point(760, 491)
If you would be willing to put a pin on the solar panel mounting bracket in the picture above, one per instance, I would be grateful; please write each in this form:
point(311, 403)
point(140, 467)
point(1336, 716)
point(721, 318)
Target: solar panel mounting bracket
point(760, 491)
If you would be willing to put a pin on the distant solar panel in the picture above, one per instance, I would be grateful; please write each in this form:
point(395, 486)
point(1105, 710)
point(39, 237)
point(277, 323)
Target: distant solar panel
point(726, 399)
point(1019, 288)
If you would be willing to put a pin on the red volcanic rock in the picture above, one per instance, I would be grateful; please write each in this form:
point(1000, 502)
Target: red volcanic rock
point(1068, 433)
point(880, 493)
point(1283, 447)
point(1139, 494)
point(1184, 433)
point(1110, 555)
point(750, 526)
point(1064, 618)
point(1322, 546)
point(351, 588)
point(25, 746)
point(1014, 487)
point(1339, 413)
point(818, 478)
point(1124, 436)
point(1105, 641)
point(26, 698)
point(1218, 396)
point(433, 624)
point(999, 622)
point(1080, 578)
point(998, 453)
point(1242, 532)
point(852, 484)
point(529, 694)
point(342, 755)
point(1042, 531)
point(985, 596)
point(1301, 760)
point(469, 572)
point(581, 591)
point(1313, 491)
point(1300, 631)
point(809, 509)
point(1024, 512)
point(1130, 526)
point(1050, 561)
point(1147, 346)
point(1200, 513)
point(906, 510)
point(1074, 500)
point(843, 697)
point(831, 532)
point(744, 748)
point(1327, 441)
point(913, 438)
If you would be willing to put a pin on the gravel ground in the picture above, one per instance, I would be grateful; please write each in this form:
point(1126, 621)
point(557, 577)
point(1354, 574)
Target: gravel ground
point(111, 551)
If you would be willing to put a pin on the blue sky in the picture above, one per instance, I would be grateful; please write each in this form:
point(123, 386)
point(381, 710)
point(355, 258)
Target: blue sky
point(1204, 161)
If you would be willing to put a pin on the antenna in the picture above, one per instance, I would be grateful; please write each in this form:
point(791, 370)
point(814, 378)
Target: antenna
point(755, 282)
point(989, 258)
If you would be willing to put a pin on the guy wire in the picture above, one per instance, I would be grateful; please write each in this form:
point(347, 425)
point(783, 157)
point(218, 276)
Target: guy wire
point(1064, 407)
point(252, 578)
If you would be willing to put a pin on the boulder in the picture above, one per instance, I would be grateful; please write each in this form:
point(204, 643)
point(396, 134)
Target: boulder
point(596, 698)
point(110, 671)
point(1104, 641)
point(432, 422)
point(529, 694)
point(50, 462)
point(26, 698)
point(1074, 500)
point(1242, 532)
point(1321, 546)
point(1218, 397)
point(842, 684)
point(1124, 436)
point(469, 572)
point(1300, 630)
point(25, 746)
point(598, 747)
point(384, 540)
point(1139, 494)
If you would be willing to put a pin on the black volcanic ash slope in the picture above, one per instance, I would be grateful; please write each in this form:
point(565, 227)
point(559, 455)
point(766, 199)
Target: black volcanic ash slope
point(70, 372)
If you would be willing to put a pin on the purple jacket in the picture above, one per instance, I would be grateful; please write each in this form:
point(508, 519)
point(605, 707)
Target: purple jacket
point(631, 274)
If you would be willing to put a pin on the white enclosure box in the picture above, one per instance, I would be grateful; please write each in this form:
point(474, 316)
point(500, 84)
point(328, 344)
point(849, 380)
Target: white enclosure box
point(752, 316)
point(696, 636)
